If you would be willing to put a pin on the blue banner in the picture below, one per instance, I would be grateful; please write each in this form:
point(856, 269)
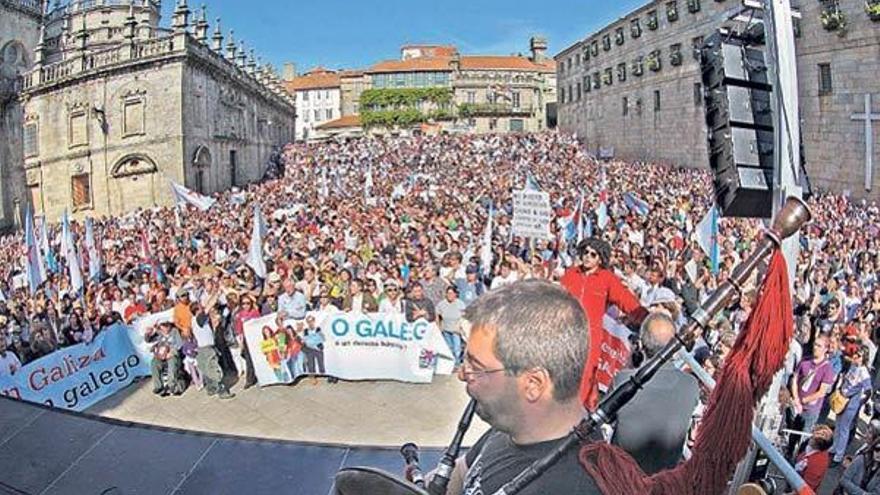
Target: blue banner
point(79, 376)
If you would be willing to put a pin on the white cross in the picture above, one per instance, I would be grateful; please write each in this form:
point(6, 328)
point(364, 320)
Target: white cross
point(868, 117)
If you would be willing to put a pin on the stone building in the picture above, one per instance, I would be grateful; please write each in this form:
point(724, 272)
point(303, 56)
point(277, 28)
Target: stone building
point(485, 93)
point(19, 34)
point(634, 87)
point(318, 99)
point(115, 106)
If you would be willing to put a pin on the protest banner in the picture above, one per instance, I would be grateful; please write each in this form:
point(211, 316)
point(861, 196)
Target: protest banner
point(531, 214)
point(79, 376)
point(374, 346)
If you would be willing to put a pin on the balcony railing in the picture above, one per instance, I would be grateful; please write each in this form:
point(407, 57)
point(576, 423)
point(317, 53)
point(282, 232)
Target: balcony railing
point(491, 109)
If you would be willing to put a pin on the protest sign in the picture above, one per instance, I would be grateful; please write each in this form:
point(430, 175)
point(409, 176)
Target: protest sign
point(79, 376)
point(140, 327)
point(531, 214)
point(356, 346)
point(615, 350)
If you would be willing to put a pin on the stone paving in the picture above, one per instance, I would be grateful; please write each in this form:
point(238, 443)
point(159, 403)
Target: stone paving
point(352, 413)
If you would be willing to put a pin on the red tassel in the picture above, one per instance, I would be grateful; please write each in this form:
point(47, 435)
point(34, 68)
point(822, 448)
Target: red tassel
point(724, 435)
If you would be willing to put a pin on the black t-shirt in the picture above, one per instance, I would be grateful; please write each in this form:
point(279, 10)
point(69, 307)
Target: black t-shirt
point(495, 459)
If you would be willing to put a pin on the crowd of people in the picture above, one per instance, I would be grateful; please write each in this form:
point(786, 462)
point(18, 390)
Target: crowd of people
point(397, 225)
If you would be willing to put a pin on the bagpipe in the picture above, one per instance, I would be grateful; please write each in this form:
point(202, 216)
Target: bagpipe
point(793, 215)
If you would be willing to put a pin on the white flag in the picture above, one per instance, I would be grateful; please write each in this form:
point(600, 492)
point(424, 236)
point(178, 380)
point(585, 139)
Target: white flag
point(94, 251)
point(183, 195)
point(76, 280)
point(486, 249)
point(255, 253)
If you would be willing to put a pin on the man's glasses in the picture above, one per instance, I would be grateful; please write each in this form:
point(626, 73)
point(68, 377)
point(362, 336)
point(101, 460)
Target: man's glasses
point(467, 370)
point(591, 254)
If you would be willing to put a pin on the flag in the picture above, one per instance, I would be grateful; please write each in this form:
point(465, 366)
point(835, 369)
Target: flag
point(48, 253)
point(532, 183)
point(36, 273)
point(255, 254)
point(93, 251)
point(368, 183)
point(707, 236)
point(65, 233)
point(76, 280)
point(574, 230)
point(602, 218)
point(636, 204)
point(486, 248)
point(588, 229)
point(149, 259)
point(183, 195)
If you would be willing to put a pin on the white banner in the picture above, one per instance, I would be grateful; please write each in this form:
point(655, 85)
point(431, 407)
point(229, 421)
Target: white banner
point(141, 325)
point(531, 214)
point(350, 346)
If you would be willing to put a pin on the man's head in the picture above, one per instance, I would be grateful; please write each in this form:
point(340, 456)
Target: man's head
point(820, 348)
point(416, 292)
point(289, 286)
point(527, 350)
point(657, 330)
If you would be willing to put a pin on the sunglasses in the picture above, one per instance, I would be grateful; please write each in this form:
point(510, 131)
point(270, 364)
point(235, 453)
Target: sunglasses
point(591, 254)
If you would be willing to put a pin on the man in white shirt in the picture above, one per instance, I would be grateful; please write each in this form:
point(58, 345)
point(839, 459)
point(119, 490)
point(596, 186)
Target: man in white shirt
point(506, 277)
point(292, 303)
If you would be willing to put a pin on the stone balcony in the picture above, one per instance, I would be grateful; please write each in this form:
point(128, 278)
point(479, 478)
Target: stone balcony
point(137, 52)
point(466, 110)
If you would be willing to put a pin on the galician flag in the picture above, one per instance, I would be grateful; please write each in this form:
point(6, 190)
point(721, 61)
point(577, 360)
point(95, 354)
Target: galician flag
point(486, 248)
point(76, 279)
point(182, 195)
point(255, 253)
point(602, 210)
point(36, 271)
point(93, 250)
point(48, 253)
point(707, 236)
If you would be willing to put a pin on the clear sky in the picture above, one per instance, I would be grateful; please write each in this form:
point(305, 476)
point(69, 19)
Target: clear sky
point(355, 34)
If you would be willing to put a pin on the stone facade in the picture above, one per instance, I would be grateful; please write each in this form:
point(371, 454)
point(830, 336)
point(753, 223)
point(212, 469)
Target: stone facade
point(19, 34)
point(614, 97)
point(111, 124)
point(834, 144)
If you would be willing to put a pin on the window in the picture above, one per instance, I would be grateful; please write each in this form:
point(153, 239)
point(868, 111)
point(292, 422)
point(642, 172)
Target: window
point(471, 96)
point(621, 72)
point(31, 140)
point(625, 106)
point(697, 43)
point(619, 37)
point(516, 98)
point(561, 95)
point(305, 116)
point(133, 117)
point(587, 85)
point(77, 134)
point(80, 191)
point(656, 100)
point(233, 165)
point(305, 95)
point(493, 123)
point(698, 94)
point(516, 125)
point(328, 114)
point(606, 42)
point(579, 91)
point(825, 85)
point(635, 28)
point(316, 115)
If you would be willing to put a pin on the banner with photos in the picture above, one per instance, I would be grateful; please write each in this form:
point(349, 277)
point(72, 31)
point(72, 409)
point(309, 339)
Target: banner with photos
point(351, 346)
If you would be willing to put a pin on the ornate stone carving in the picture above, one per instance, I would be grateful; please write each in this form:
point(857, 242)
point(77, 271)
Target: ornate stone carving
point(133, 164)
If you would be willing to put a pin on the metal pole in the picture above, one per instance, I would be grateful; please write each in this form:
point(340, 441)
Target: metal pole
point(764, 443)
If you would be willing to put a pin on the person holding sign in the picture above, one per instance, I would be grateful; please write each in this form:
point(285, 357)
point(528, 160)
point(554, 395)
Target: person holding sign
point(596, 288)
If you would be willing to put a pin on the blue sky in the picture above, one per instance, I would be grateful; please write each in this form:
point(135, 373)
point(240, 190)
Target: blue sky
point(355, 34)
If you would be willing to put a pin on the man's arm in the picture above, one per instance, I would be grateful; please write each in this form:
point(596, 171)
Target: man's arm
point(822, 392)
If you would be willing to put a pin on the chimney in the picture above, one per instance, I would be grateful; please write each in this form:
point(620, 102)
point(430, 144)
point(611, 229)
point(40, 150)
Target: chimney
point(289, 71)
point(538, 46)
